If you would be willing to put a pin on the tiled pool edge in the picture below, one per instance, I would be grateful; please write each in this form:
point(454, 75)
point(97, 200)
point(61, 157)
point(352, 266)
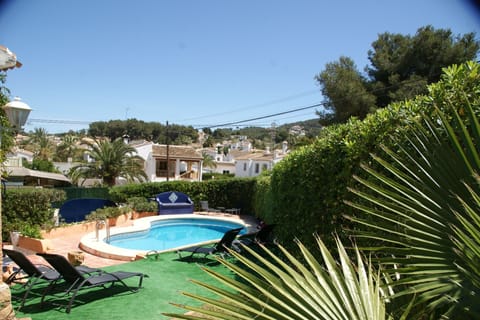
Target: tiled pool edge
point(89, 243)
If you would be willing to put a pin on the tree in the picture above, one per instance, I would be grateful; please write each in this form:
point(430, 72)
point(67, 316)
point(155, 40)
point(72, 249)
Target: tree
point(401, 67)
point(137, 129)
point(41, 144)
point(345, 91)
point(67, 148)
point(111, 160)
point(209, 142)
point(41, 165)
point(6, 136)
point(208, 160)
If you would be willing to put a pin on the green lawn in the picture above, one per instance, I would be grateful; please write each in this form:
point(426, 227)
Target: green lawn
point(168, 276)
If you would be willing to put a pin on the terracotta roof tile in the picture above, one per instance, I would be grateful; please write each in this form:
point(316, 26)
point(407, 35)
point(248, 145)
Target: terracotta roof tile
point(184, 152)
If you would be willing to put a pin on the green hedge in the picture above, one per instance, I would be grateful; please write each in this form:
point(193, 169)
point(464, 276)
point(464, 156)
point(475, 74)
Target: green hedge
point(27, 210)
point(228, 193)
point(306, 190)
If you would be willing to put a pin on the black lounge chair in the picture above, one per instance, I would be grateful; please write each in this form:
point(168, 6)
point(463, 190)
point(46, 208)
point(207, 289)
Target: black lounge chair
point(218, 248)
point(76, 280)
point(262, 236)
point(33, 272)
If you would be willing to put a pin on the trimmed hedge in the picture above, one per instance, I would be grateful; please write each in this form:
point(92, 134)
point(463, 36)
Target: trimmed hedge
point(306, 191)
point(228, 193)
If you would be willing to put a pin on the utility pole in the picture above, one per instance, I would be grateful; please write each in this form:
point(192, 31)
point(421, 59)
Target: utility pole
point(168, 156)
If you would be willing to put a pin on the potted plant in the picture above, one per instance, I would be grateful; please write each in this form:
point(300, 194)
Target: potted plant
point(141, 207)
point(30, 237)
point(107, 213)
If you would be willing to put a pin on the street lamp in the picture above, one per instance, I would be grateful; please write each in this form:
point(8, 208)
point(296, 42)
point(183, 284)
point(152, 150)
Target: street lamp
point(17, 115)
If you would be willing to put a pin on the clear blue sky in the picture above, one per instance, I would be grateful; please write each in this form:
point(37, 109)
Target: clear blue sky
point(195, 62)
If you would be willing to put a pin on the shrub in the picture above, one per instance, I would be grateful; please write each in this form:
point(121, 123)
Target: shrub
point(212, 176)
point(141, 204)
point(28, 209)
point(106, 212)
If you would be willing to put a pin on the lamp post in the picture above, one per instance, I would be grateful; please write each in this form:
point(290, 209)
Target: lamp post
point(17, 118)
point(17, 113)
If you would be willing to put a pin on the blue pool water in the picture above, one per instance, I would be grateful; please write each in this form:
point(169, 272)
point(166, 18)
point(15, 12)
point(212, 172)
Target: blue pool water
point(173, 233)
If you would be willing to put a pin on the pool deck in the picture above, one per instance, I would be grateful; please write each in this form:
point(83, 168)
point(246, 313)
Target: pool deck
point(107, 256)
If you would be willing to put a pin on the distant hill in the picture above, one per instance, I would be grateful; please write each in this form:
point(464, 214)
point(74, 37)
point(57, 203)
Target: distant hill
point(312, 127)
point(153, 131)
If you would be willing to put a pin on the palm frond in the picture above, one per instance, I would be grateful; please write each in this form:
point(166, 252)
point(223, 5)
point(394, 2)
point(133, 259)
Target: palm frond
point(271, 287)
point(424, 208)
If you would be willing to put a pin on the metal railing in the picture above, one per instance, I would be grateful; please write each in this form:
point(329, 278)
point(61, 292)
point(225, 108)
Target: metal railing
point(98, 226)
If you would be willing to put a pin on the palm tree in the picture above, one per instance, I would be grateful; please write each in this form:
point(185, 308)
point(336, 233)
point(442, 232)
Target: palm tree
point(208, 160)
point(42, 145)
point(425, 211)
point(276, 289)
point(110, 161)
point(68, 147)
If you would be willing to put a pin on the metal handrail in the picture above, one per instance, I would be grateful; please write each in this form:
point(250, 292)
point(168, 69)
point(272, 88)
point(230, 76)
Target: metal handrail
point(98, 226)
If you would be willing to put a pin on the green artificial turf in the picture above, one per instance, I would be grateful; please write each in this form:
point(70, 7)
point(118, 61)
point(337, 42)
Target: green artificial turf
point(168, 276)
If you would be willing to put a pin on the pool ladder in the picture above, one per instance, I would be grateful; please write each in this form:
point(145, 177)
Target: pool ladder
point(98, 226)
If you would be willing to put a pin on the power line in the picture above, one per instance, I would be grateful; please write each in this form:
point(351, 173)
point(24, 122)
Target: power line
point(267, 116)
point(314, 105)
point(241, 121)
point(59, 121)
point(255, 106)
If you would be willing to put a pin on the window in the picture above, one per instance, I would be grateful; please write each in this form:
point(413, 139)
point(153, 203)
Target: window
point(161, 168)
point(264, 167)
point(226, 171)
point(257, 167)
point(244, 167)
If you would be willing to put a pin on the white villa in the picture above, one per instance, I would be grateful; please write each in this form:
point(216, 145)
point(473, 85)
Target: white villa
point(254, 163)
point(172, 161)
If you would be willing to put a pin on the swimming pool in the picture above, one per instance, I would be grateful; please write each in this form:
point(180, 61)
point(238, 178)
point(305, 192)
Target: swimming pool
point(94, 241)
point(174, 233)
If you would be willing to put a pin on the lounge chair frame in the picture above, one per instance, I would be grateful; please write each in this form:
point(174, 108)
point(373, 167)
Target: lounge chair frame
point(77, 281)
point(218, 248)
point(262, 236)
point(206, 208)
point(34, 272)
